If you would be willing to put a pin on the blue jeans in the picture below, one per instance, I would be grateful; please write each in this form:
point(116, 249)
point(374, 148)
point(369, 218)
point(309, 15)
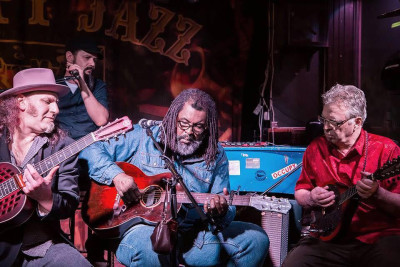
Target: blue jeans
point(240, 244)
point(60, 255)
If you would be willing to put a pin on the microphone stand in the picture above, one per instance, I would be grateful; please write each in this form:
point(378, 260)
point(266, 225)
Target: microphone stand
point(283, 179)
point(65, 78)
point(177, 178)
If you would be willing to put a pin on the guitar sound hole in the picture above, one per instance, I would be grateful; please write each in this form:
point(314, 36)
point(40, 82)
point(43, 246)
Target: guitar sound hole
point(152, 196)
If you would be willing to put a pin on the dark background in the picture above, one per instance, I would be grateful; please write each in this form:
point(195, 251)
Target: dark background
point(238, 50)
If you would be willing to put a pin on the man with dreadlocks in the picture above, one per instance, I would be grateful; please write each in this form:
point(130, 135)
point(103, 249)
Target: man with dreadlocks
point(190, 134)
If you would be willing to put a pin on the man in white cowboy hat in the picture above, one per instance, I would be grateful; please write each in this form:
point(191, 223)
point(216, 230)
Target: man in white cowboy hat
point(28, 135)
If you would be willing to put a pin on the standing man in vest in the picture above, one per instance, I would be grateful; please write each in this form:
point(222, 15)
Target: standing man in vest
point(85, 107)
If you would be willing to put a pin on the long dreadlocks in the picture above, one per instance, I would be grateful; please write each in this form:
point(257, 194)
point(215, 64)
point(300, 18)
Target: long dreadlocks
point(201, 101)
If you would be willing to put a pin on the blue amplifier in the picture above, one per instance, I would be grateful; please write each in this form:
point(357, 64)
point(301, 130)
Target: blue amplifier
point(257, 168)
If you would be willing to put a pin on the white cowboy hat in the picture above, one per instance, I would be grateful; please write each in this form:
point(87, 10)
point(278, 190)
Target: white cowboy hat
point(35, 79)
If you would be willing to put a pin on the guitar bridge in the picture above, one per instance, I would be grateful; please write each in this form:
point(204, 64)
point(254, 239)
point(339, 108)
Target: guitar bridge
point(117, 208)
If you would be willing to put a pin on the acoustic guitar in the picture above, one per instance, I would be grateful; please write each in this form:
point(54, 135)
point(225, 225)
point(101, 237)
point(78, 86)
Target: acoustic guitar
point(15, 207)
point(106, 214)
point(332, 222)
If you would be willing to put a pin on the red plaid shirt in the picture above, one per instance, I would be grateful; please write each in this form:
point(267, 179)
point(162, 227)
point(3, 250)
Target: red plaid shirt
point(323, 164)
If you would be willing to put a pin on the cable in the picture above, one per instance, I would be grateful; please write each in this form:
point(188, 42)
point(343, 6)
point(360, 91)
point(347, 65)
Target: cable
point(268, 76)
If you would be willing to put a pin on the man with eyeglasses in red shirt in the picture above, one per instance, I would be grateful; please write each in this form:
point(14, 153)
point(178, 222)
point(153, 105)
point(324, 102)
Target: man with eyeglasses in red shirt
point(345, 157)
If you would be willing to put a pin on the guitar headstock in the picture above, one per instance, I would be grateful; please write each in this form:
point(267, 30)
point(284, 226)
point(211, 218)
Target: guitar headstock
point(389, 169)
point(264, 203)
point(112, 129)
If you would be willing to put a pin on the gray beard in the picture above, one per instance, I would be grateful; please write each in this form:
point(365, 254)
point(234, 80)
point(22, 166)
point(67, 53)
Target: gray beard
point(187, 149)
point(50, 129)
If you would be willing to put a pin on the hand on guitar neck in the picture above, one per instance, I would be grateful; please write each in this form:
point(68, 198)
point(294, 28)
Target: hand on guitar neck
point(127, 189)
point(218, 205)
point(366, 187)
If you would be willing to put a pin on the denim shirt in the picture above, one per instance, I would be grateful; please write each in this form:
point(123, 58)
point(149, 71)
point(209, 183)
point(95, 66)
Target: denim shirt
point(138, 149)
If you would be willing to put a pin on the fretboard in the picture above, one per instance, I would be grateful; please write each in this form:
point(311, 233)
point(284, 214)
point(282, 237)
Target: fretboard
point(349, 193)
point(47, 164)
point(202, 197)
point(8, 187)
point(63, 154)
point(352, 191)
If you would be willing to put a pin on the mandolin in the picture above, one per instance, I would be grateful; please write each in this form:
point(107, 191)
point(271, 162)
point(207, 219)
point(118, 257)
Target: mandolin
point(331, 223)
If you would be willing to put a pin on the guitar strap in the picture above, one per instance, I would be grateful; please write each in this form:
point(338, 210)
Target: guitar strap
point(354, 201)
point(365, 150)
point(356, 197)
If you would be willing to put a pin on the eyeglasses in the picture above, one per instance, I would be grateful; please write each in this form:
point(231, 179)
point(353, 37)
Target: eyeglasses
point(335, 124)
point(197, 128)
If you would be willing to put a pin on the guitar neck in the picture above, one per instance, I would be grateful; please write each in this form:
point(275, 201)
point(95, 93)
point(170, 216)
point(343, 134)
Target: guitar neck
point(352, 191)
point(202, 197)
point(63, 154)
point(346, 195)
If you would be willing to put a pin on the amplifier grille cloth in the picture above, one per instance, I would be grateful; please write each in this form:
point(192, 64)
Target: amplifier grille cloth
point(277, 227)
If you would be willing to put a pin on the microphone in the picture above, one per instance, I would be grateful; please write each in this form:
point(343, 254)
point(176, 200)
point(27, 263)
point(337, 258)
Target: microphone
point(75, 73)
point(144, 123)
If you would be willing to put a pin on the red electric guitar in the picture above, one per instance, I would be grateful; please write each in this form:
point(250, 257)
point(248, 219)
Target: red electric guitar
point(15, 207)
point(332, 222)
point(105, 213)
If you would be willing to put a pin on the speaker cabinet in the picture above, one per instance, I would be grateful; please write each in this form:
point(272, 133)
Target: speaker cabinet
point(277, 227)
